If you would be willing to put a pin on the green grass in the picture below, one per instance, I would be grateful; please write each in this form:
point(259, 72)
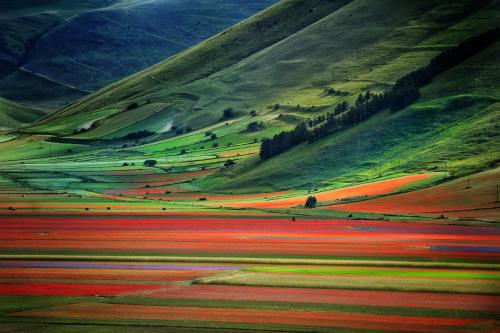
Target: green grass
point(360, 282)
point(381, 272)
point(14, 115)
point(421, 137)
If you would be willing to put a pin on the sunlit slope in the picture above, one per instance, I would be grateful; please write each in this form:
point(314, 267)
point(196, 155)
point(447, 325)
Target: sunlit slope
point(165, 81)
point(452, 128)
point(13, 115)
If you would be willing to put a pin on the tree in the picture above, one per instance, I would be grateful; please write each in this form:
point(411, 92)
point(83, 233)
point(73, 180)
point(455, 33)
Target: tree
point(183, 151)
point(150, 163)
point(213, 136)
point(255, 126)
point(228, 113)
point(311, 202)
point(132, 106)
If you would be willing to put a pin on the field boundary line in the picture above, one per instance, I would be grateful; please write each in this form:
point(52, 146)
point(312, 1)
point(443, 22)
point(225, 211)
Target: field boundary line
point(278, 261)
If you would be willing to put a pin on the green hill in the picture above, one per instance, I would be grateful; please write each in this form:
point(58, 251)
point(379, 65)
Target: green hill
point(295, 61)
point(14, 115)
point(54, 52)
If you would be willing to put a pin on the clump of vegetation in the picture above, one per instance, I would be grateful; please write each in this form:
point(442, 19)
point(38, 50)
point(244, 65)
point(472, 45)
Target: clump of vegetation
point(150, 163)
point(183, 151)
point(334, 92)
point(138, 135)
point(213, 136)
point(228, 113)
point(253, 113)
point(229, 163)
point(311, 202)
point(133, 105)
point(255, 126)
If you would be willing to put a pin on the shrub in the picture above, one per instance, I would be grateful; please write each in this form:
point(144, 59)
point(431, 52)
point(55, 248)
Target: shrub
point(138, 135)
point(213, 136)
point(132, 106)
point(228, 113)
point(183, 151)
point(255, 126)
point(229, 163)
point(150, 163)
point(311, 202)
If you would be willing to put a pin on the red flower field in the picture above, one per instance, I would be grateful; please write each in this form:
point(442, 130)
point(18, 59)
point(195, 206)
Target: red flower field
point(310, 318)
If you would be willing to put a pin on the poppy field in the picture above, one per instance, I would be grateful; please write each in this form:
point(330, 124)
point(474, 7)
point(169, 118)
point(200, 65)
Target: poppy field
point(238, 272)
point(116, 246)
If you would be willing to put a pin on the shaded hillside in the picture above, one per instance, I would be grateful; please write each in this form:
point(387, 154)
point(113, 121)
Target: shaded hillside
point(52, 53)
point(22, 23)
point(14, 115)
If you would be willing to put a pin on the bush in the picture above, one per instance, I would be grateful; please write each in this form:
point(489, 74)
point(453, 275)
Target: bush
point(183, 151)
point(215, 145)
point(253, 113)
point(311, 202)
point(213, 136)
point(229, 163)
point(228, 113)
point(138, 135)
point(208, 133)
point(150, 163)
point(132, 106)
point(255, 126)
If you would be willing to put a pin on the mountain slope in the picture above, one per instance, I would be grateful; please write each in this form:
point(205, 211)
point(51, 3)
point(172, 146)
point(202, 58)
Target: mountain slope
point(22, 23)
point(455, 122)
point(14, 115)
point(54, 52)
point(97, 48)
point(296, 61)
point(165, 82)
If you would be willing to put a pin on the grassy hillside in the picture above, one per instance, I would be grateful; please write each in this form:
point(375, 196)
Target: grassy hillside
point(22, 23)
point(97, 48)
point(13, 115)
point(54, 52)
point(283, 63)
point(168, 80)
point(454, 122)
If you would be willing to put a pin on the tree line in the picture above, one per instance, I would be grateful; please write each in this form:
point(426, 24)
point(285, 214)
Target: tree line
point(405, 91)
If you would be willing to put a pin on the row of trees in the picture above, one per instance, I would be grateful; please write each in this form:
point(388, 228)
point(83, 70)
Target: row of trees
point(405, 91)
